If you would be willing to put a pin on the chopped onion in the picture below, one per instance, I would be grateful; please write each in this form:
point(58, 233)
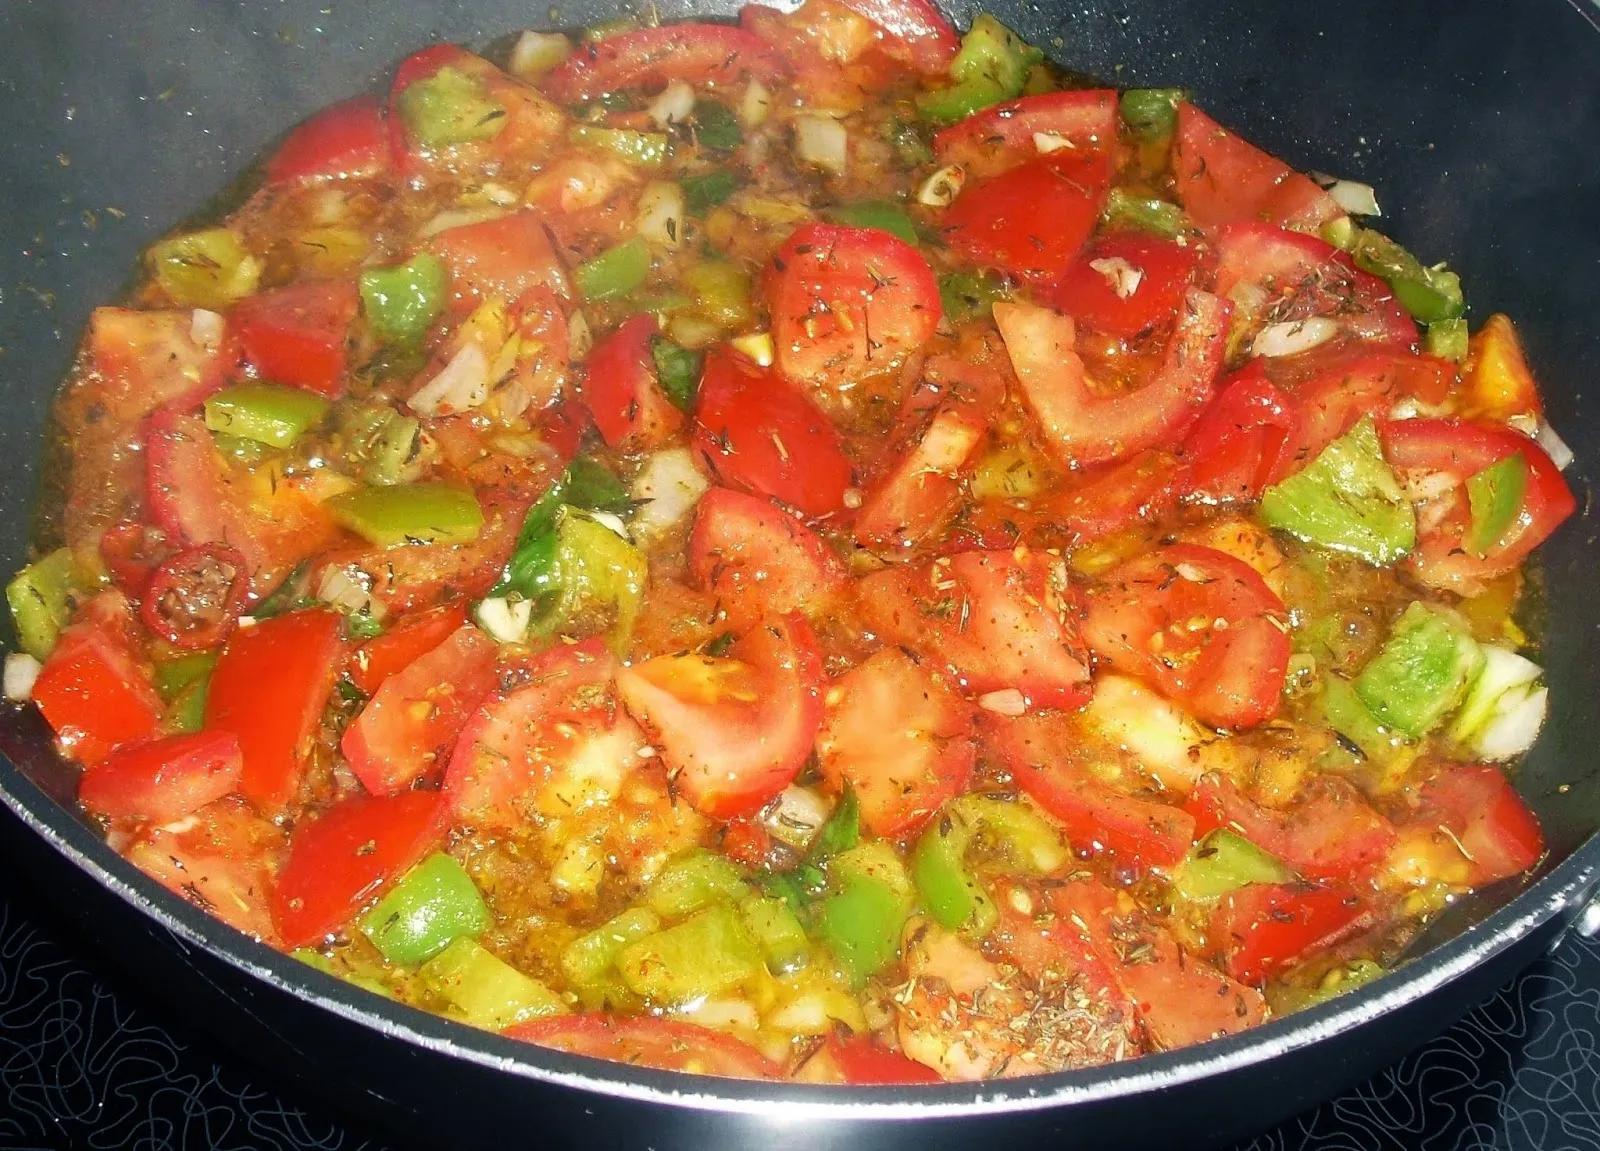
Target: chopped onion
point(1554, 446)
point(1006, 701)
point(755, 104)
point(348, 589)
point(673, 106)
point(1292, 337)
point(462, 384)
point(693, 331)
point(1123, 277)
point(1504, 708)
point(205, 328)
point(610, 521)
point(535, 53)
point(757, 345)
point(504, 620)
point(659, 218)
point(1047, 142)
point(21, 671)
point(822, 141)
point(667, 488)
point(720, 1013)
point(580, 339)
point(460, 217)
point(797, 816)
point(500, 194)
point(1353, 196)
point(941, 189)
point(1513, 729)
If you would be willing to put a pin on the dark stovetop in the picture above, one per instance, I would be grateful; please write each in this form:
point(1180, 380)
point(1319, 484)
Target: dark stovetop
point(87, 1062)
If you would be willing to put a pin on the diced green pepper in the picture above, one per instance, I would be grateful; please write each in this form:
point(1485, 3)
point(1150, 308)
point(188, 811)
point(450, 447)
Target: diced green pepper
point(777, 931)
point(210, 268)
point(1144, 212)
point(614, 272)
point(1429, 294)
point(716, 127)
point(486, 990)
point(702, 193)
point(1421, 673)
point(1347, 715)
point(406, 513)
point(241, 450)
point(1151, 112)
point(595, 573)
point(40, 600)
point(187, 711)
point(707, 954)
point(910, 143)
point(1342, 232)
point(1225, 861)
point(1347, 500)
point(862, 917)
point(380, 445)
point(992, 65)
point(678, 370)
point(692, 881)
point(1012, 472)
point(173, 675)
point(402, 301)
point(953, 895)
point(341, 971)
point(450, 107)
point(884, 215)
point(589, 961)
point(585, 484)
point(969, 295)
point(721, 292)
point(646, 149)
point(1446, 339)
point(434, 904)
point(290, 595)
point(266, 413)
point(1286, 998)
point(1495, 496)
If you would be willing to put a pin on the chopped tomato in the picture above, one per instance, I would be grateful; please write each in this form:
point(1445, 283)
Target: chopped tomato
point(562, 427)
point(1223, 179)
point(622, 393)
point(194, 599)
point(828, 48)
point(411, 723)
point(221, 859)
point(759, 561)
point(345, 857)
point(746, 841)
point(1233, 450)
point(1082, 427)
point(642, 1040)
point(1201, 626)
point(505, 257)
point(858, 1060)
point(93, 691)
point(1497, 383)
point(912, 501)
point(733, 732)
point(529, 122)
point(757, 433)
point(997, 621)
point(164, 779)
point(1127, 283)
point(1486, 817)
point(299, 335)
point(402, 645)
point(1037, 750)
point(1085, 120)
point(848, 302)
point(131, 553)
point(1431, 453)
point(345, 141)
point(1107, 498)
point(651, 57)
point(900, 736)
point(1265, 927)
point(1031, 220)
point(1329, 832)
point(147, 359)
point(915, 32)
point(269, 689)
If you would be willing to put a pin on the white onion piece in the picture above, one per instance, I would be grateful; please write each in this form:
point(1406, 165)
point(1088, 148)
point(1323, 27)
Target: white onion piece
point(1006, 701)
point(756, 345)
point(21, 671)
point(720, 1013)
point(755, 104)
point(206, 328)
point(580, 338)
point(1513, 731)
point(1354, 197)
point(797, 816)
point(504, 620)
point(693, 331)
point(461, 385)
point(1123, 277)
point(1293, 336)
point(608, 520)
point(1046, 142)
point(941, 189)
point(535, 53)
point(459, 217)
point(673, 105)
point(1554, 446)
point(659, 218)
point(668, 487)
point(348, 589)
point(822, 141)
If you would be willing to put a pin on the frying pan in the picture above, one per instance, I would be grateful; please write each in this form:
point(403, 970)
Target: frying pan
point(1478, 123)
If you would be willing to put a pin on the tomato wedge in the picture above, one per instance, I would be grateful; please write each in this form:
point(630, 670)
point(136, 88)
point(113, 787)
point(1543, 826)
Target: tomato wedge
point(996, 620)
point(341, 860)
point(1031, 220)
point(505, 257)
point(528, 122)
point(757, 433)
point(1127, 283)
point(1431, 453)
point(1222, 179)
point(346, 141)
point(148, 359)
point(1234, 449)
point(1082, 427)
point(1486, 817)
point(1265, 927)
point(1110, 497)
point(299, 335)
point(900, 736)
point(221, 859)
point(92, 690)
point(651, 57)
point(1086, 120)
point(194, 599)
point(1037, 750)
point(920, 493)
point(164, 779)
point(1200, 625)
point(268, 689)
point(1329, 832)
point(759, 561)
point(847, 303)
point(410, 725)
point(401, 645)
point(733, 732)
point(915, 32)
point(622, 393)
point(666, 1044)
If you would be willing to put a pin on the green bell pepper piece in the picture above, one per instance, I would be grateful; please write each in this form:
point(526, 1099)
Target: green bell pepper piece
point(433, 904)
point(1446, 339)
point(486, 990)
point(1422, 672)
point(992, 65)
point(1146, 213)
point(1151, 113)
point(594, 572)
point(884, 215)
point(339, 971)
point(839, 833)
point(210, 268)
point(614, 272)
point(910, 143)
point(953, 895)
point(702, 193)
point(380, 445)
point(1285, 998)
point(173, 675)
point(266, 413)
point(1429, 294)
point(1495, 496)
point(1225, 861)
point(716, 127)
point(585, 484)
point(1346, 500)
point(589, 961)
point(402, 301)
point(707, 954)
point(721, 292)
point(450, 107)
point(969, 295)
point(863, 916)
point(646, 149)
point(777, 931)
point(678, 371)
point(694, 880)
point(404, 513)
point(1346, 714)
point(40, 600)
point(187, 711)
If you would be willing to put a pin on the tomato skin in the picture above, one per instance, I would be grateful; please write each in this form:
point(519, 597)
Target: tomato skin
point(298, 335)
point(1221, 179)
point(221, 858)
point(506, 257)
point(403, 644)
point(741, 410)
point(621, 392)
point(666, 1044)
point(92, 691)
point(1110, 497)
point(413, 720)
point(920, 493)
point(903, 770)
point(268, 689)
point(346, 856)
point(1082, 428)
point(847, 302)
point(651, 57)
point(1329, 832)
point(915, 32)
point(148, 359)
point(163, 780)
point(1234, 449)
point(995, 620)
point(734, 732)
point(348, 140)
point(1140, 621)
point(1486, 816)
point(1265, 927)
point(1087, 119)
point(1031, 220)
point(183, 604)
point(1165, 271)
point(760, 561)
point(859, 1061)
point(1458, 450)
